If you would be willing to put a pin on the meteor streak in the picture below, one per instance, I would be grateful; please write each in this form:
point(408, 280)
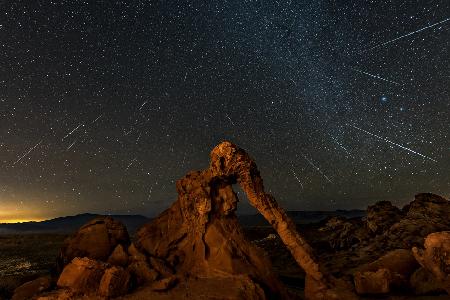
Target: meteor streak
point(408, 34)
point(29, 151)
point(393, 143)
point(317, 168)
point(75, 129)
point(295, 175)
point(143, 104)
point(377, 77)
point(101, 115)
point(129, 165)
point(229, 119)
point(340, 145)
point(71, 145)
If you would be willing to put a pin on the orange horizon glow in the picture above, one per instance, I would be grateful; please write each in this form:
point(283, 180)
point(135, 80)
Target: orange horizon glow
point(11, 221)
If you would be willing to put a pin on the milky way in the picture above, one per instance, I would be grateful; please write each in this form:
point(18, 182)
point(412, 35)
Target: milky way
point(104, 105)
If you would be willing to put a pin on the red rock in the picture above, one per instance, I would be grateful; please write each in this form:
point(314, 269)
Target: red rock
point(142, 272)
point(96, 240)
point(220, 288)
point(82, 275)
point(200, 235)
point(135, 254)
point(381, 216)
point(424, 283)
point(401, 264)
point(373, 282)
point(161, 267)
point(118, 257)
point(32, 288)
point(164, 284)
point(115, 282)
point(436, 257)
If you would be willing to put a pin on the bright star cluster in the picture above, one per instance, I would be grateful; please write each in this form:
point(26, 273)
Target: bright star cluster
point(105, 104)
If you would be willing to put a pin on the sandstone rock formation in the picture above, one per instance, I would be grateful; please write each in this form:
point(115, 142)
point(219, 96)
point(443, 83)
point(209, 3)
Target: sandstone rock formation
point(342, 234)
point(381, 216)
point(428, 213)
point(82, 275)
point(391, 271)
point(436, 257)
point(96, 240)
point(424, 283)
point(199, 234)
point(32, 288)
point(115, 282)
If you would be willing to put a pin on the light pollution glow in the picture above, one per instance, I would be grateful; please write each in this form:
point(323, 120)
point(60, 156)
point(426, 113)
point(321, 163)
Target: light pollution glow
point(11, 213)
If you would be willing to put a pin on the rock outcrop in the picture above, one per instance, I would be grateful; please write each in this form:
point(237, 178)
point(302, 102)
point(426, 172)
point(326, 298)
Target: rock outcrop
point(435, 258)
point(95, 240)
point(342, 234)
point(391, 271)
point(82, 275)
point(32, 288)
point(381, 216)
point(200, 235)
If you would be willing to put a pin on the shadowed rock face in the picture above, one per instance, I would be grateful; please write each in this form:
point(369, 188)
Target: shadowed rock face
point(436, 257)
point(381, 216)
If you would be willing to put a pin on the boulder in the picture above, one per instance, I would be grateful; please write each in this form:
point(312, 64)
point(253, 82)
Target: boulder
point(115, 282)
point(400, 263)
point(142, 273)
point(118, 257)
point(135, 254)
point(82, 275)
point(32, 288)
point(436, 257)
point(161, 267)
point(428, 213)
point(341, 233)
point(373, 282)
point(424, 283)
point(430, 207)
point(164, 284)
point(381, 216)
point(95, 240)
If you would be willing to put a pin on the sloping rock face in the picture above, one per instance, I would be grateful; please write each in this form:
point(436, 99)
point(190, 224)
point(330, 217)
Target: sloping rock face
point(428, 213)
point(389, 272)
point(82, 275)
point(424, 283)
point(342, 234)
point(435, 258)
point(32, 288)
point(95, 240)
point(381, 216)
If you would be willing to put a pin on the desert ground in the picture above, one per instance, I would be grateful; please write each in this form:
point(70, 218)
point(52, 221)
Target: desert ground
point(25, 257)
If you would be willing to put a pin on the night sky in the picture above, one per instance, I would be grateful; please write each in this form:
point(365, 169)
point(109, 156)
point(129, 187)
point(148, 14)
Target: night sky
point(105, 104)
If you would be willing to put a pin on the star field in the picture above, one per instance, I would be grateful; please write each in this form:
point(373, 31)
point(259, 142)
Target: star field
point(105, 104)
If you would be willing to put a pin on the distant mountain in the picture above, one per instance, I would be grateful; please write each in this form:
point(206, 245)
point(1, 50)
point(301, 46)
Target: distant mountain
point(69, 224)
point(302, 217)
